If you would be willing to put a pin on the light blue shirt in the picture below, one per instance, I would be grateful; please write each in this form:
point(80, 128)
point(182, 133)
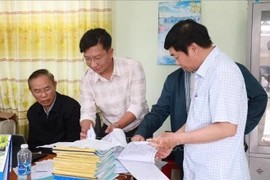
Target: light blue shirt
point(219, 96)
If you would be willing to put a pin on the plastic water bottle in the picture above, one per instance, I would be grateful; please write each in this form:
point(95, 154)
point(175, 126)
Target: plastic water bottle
point(24, 158)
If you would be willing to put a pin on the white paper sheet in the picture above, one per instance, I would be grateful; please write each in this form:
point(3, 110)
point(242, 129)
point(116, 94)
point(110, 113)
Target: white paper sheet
point(117, 137)
point(143, 170)
point(91, 133)
point(50, 146)
point(45, 165)
point(138, 151)
point(86, 143)
point(119, 168)
point(139, 159)
point(37, 175)
point(93, 143)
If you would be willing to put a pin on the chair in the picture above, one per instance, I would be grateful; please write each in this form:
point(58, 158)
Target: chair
point(7, 127)
point(167, 169)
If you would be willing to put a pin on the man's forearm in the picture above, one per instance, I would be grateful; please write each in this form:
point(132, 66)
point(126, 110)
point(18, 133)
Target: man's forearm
point(211, 133)
point(127, 118)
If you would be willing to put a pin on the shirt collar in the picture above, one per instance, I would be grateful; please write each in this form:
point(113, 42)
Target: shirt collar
point(48, 112)
point(207, 62)
point(116, 71)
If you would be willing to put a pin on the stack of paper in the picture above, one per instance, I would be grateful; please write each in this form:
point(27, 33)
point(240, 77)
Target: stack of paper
point(78, 160)
point(135, 157)
point(104, 159)
point(118, 138)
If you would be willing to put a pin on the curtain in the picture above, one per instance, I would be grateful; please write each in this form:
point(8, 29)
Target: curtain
point(44, 34)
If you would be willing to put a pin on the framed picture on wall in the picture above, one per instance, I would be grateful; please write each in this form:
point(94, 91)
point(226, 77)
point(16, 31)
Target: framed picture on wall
point(170, 13)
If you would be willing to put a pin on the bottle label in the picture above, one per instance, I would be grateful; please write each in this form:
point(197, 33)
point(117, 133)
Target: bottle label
point(24, 169)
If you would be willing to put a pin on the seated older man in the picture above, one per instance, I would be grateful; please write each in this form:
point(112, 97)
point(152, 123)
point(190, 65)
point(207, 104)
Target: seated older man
point(54, 117)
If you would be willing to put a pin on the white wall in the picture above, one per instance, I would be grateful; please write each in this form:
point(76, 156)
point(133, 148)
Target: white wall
point(135, 34)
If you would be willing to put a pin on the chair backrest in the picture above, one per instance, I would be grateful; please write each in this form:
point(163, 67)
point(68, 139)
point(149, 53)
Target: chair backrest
point(7, 127)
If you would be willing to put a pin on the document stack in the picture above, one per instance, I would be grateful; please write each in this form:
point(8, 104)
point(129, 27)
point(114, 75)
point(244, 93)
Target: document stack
point(84, 163)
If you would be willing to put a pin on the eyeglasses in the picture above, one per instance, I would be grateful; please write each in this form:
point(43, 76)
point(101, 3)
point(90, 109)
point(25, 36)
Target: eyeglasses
point(46, 90)
point(97, 60)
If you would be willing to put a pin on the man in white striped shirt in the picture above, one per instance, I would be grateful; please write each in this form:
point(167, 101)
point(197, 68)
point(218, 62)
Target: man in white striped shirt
point(214, 131)
point(114, 85)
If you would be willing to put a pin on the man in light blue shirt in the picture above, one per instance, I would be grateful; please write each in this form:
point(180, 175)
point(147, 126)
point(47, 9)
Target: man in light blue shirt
point(214, 131)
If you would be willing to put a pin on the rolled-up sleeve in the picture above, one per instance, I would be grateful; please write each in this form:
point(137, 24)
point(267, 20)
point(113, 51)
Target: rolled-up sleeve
point(88, 107)
point(137, 90)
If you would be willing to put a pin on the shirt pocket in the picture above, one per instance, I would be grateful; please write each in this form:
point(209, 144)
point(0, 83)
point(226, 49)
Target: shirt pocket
point(200, 111)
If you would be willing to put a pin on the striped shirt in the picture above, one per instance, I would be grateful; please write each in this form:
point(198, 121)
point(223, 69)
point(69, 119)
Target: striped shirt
point(125, 91)
point(219, 96)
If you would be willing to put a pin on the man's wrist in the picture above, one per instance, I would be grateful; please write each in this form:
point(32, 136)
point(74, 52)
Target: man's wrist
point(117, 125)
point(179, 139)
point(86, 124)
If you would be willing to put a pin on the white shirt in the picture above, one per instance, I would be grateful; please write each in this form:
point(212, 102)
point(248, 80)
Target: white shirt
point(125, 91)
point(219, 96)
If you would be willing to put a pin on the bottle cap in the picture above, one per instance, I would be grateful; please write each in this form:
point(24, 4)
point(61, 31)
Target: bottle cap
point(24, 146)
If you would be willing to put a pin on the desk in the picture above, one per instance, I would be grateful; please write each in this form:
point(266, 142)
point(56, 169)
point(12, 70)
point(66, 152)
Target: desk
point(13, 176)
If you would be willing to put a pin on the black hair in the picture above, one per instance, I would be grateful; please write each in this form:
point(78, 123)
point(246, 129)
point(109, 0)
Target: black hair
point(186, 32)
point(95, 36)
point(38, 73)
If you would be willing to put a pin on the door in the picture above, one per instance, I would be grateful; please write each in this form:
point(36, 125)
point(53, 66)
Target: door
point(260, 68)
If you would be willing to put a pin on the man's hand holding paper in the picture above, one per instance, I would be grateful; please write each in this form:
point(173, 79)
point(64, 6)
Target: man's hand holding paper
point(85, 126)
point(91, 133)
point(164, 143)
